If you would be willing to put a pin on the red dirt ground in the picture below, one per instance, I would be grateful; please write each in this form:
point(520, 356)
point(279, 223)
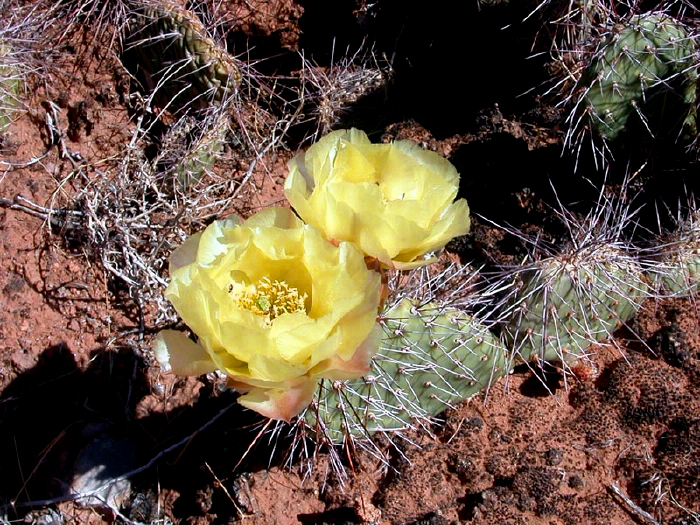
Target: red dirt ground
point(623, 439)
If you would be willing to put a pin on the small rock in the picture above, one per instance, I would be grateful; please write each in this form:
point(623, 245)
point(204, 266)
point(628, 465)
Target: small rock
point(98, 470)
point(46, 516)
point(554, 457)
point(23, 360)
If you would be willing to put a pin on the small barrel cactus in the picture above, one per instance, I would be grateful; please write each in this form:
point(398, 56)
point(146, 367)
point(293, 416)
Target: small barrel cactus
point(180, 62)
point(562, 304)
point(431, 358)
point(647, 56)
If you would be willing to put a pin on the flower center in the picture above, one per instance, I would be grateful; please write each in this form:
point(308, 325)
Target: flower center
point(268, 299)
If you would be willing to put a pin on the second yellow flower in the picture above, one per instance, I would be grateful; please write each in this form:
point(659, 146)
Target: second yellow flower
point(394, 201)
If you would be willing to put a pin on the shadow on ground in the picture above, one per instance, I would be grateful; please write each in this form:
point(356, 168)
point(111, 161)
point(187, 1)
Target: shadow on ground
point(65, 426)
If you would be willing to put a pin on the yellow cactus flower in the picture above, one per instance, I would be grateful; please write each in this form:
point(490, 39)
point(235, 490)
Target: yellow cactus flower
point(394, 201)
point(274, 306)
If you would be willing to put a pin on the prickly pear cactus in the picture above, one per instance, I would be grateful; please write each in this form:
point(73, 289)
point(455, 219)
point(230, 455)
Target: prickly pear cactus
point(651, 54)
point(564, 303)
point(181, 63)
point(431, 358)
point(676, 269)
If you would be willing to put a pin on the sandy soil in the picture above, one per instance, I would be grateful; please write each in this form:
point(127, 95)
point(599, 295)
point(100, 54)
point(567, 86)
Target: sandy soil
point(616, 444)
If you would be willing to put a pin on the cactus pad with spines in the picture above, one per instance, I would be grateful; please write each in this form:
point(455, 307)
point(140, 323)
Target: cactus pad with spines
point(562, 304)
point(431, 358)
point(182, 64)
point(677, 268)
point(648, 55)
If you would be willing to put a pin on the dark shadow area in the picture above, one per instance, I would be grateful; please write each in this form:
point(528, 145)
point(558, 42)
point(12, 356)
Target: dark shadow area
point(515, 197)
point(469, 503)
point(506, 182)
point(339, 516)
point(65, 426)
point(48, 414)
point(542, 382)
point(442, 79)
point(329, 28)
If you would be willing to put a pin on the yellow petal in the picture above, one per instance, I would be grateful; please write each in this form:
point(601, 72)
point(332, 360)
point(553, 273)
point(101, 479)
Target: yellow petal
point(393, 201)
point(272, 301)
point(351, 164)
point(430, 160)
point(186, 253)
point(274, 218)
point(178, 354)
point(296, 335)
point(280, 404)
point(212, 241)
point(272, 369)
point(357, 365)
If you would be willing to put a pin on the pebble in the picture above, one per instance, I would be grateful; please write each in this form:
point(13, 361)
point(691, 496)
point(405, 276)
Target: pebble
point(98, 469)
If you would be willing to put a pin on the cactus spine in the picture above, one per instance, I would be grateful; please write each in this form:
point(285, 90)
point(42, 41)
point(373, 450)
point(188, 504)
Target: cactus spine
point(181, 62)
point(190, 148)
point(431, 358)
point(676, 268)
point(562, 304)
point(650, 54)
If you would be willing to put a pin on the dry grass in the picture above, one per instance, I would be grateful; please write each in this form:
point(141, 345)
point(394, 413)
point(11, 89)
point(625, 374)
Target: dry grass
point(175, 173)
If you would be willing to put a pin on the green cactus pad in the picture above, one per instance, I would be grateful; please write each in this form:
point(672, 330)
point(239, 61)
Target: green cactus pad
point(650, 54)
point(431, 358)
point(182, 64)
point(680, 275)
point(565, 303)
point(676, 271)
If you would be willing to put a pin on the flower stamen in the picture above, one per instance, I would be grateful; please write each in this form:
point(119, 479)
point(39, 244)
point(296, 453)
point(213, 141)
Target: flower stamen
point(268, 299)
